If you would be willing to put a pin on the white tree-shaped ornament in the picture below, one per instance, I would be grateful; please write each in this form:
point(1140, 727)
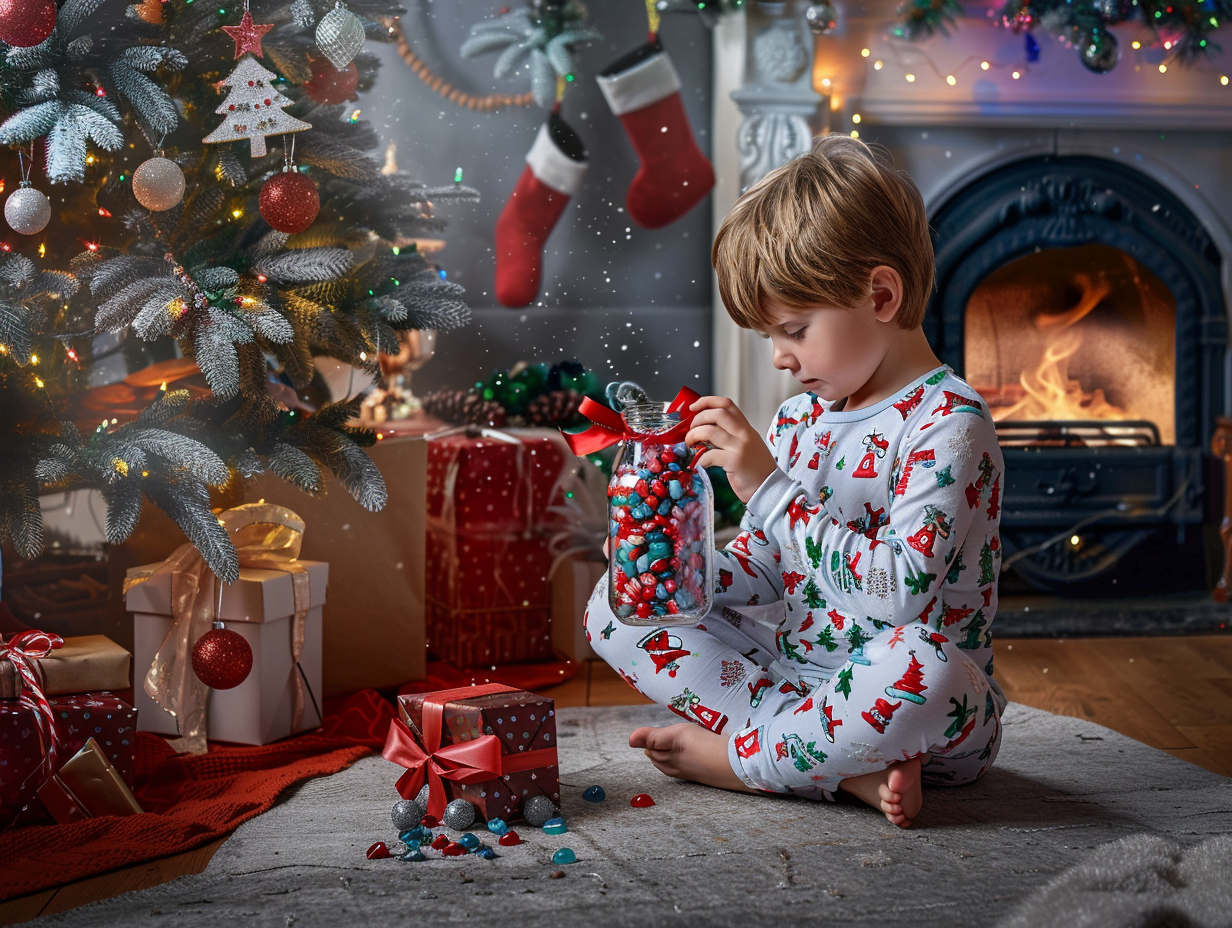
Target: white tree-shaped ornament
point(253, 108)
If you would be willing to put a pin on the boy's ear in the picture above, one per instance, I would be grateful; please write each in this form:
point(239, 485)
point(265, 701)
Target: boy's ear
point(886, 292)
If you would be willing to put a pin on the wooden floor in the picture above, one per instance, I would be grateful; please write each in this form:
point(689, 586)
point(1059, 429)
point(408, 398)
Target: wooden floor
point(1170, 693)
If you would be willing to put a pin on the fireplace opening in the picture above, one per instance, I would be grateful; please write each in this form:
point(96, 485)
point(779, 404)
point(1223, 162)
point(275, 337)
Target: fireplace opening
point(1085, 303)
point(1074, 347)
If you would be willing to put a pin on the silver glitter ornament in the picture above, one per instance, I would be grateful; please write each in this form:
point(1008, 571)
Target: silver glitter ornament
point(424, 795)
point(27, 210)
point(822, 18)
point(537, 810)
point(340, 35)
point(459, 814)
point(158, 184)
point(406, 814)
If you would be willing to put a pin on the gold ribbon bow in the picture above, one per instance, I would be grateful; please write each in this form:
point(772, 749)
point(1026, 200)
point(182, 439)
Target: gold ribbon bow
point(266, 537)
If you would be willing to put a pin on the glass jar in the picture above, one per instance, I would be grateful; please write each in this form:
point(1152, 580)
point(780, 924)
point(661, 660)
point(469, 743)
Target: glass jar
point(660, 524)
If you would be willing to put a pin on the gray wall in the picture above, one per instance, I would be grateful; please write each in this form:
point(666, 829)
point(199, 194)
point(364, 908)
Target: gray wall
point(629, 303)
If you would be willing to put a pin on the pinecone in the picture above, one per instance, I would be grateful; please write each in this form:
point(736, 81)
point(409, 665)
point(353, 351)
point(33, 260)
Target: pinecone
point(446, 405)
point(459, 407)
point(556, 409)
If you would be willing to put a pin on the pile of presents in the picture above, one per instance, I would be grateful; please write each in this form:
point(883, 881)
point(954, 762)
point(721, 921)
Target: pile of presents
point(484, 556)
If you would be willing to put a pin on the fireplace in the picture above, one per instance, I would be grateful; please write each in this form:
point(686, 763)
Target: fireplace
point(1084, 302)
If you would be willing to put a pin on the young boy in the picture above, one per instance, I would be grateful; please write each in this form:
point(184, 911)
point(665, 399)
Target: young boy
point(848, 647)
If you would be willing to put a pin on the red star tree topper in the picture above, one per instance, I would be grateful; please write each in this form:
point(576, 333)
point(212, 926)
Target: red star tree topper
point(247, 35)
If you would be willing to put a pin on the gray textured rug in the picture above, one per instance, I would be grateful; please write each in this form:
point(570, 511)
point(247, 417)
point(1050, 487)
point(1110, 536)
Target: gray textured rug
point(1074, 825)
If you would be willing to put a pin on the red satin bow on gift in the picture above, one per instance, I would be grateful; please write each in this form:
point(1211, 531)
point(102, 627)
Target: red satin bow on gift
point(466, 762)
point(22, 651)
point(608, 426)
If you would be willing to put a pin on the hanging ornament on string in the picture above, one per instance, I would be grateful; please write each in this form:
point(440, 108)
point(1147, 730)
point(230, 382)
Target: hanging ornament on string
point(330, 85)
point(158, 184)
point(253, 106)
point(301, 13)
point(822, 18)
point(289, 201)
point(221, 658)
point(27, 210)
point(1031, 48)
point(26, 23)
point(340, 35)
point(1100, 51)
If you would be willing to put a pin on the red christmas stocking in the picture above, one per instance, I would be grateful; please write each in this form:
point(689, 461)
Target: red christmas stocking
point(642, 88)
point(553, 173)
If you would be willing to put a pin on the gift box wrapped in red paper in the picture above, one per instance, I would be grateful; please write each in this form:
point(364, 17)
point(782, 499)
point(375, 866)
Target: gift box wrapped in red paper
point(24, 748)
point(492, 500)
point(492, 745)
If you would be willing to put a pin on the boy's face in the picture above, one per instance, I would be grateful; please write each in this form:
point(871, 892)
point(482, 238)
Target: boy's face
point(831, 350)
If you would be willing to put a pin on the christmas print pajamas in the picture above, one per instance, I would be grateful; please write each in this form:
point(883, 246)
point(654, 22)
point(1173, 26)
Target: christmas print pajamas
point(850, 625)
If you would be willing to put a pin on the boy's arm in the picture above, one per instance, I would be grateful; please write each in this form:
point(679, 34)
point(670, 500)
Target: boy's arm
point(747, 569)
point(947, 489)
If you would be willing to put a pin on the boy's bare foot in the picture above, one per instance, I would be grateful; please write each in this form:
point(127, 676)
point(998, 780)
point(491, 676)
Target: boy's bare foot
point(687, 752)
point(895, 791)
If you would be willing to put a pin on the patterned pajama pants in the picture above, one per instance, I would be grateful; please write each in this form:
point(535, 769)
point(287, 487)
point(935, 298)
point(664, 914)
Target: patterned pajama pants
point(798, 728)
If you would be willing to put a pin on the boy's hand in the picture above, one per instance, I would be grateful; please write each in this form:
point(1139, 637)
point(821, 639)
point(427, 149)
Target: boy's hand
point(734, 445)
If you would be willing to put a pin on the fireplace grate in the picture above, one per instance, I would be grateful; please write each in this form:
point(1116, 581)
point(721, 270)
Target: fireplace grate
point(1077, 434)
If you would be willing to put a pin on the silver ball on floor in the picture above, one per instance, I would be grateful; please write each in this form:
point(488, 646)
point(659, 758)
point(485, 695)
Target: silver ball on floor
point(537, 810)
point(406, 814)
point(459, 815)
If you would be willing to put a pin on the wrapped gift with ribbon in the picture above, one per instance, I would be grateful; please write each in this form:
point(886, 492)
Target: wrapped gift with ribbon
point(85, 664)
point(491, 515)
point(268, 539)
point(492, 745)
point(39, 732)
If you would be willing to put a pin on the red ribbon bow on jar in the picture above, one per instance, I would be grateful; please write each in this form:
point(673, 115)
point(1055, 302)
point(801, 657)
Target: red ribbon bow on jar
point(608, 426)
point(22, 651)
point(466, 762)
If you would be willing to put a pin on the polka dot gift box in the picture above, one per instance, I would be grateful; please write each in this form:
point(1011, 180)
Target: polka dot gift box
point(106, 718)
point(499, 743)
point(490, 499)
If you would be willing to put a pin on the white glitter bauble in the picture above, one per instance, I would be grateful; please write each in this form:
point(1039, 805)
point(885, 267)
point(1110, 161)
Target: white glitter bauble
point(27, 210)
point(537, 810)
point(340, 35)
point(158, 184)
point(459, 815)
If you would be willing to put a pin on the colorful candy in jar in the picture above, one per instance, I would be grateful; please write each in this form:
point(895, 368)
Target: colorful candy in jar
point(659, 523)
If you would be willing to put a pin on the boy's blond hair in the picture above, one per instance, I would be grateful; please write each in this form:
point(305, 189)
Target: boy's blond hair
point(810, 233)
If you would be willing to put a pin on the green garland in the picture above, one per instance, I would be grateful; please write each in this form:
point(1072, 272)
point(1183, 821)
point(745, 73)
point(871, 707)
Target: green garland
point(1186, 25)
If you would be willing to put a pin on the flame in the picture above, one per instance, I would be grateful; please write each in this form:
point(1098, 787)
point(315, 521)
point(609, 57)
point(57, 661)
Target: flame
point(1050, 393)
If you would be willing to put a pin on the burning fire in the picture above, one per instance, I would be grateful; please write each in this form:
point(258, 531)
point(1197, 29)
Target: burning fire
point(1049, 392)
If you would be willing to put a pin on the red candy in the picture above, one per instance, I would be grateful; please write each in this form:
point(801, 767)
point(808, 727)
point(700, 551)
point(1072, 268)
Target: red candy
point(430, 821)
point(453, 849)
point(379, 851)
point(641, 801)
point(643, 610)
point(509, 839)
point(440, 842)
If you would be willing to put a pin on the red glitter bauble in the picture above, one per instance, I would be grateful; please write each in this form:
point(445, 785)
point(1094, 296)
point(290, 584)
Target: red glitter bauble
point(26, 23)
point(289, 202)
point(222, 659)
point(329, 85)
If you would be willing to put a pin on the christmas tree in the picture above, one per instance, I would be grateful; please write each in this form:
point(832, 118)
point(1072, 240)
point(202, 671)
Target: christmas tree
point(205, 278)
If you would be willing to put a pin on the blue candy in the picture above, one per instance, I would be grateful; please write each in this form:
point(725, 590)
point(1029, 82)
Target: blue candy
point(594, 794)
point(497, 826)
point(485, 852)
point(564, 856)
point(469, 841)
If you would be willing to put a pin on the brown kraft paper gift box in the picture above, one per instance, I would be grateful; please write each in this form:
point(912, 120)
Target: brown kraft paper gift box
point(521, 721)
point(86, 664)
point(376, 566)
